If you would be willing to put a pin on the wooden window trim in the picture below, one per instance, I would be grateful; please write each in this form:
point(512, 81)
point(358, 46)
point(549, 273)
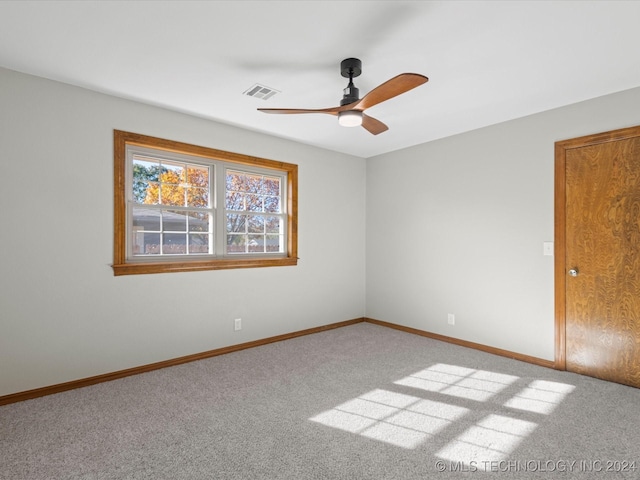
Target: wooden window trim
point(120, 265)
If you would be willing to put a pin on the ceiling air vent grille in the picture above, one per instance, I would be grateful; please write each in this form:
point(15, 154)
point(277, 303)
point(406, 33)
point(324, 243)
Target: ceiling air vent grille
point(260, 91)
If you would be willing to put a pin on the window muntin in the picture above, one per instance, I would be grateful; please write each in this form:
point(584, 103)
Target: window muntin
point(181, 207)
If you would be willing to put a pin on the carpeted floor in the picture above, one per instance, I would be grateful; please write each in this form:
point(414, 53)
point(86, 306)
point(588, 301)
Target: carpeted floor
point(359, 402)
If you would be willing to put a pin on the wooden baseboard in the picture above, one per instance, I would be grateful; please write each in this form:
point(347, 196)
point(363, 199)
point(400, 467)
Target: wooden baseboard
point(85, 382)
point(463, 343)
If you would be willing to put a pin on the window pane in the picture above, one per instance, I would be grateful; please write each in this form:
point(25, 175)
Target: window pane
point(146, 219)
point(255, 224)
point(272, 204)
point(254, 203)
point(253, 183)
point(234, 201)
point(256, 243)
point(272, 224)
point(198, 176)
point(236, 223)
point(171, 194)
point(174, 221)
point(271, 186)
point(174, 243)
point(198, 243)
point(198, 222)
point(137, 242)
point(235, 181)
point(148, 168)
point(150, 244)
point(197, 197)
point(173, 172)
point(236, 243)
point(274, 243)
point(152, 195)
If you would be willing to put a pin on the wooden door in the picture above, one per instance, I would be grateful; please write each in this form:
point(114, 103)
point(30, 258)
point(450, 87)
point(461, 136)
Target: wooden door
point(598, 255)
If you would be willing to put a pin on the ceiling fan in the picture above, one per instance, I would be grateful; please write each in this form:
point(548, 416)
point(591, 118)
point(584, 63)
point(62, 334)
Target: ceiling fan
point(351, 110)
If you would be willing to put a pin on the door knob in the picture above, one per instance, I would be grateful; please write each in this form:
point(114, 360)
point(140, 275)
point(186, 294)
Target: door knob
point(573, 272)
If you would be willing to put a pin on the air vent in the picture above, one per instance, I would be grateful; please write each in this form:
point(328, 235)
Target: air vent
point(260, 91)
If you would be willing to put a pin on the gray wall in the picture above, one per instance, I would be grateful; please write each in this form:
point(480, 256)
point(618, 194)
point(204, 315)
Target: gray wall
point(452, 226)
point(64, 316)
point(457, 226)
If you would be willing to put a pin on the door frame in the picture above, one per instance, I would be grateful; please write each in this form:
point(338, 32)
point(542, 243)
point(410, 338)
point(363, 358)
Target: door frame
point(560, 239)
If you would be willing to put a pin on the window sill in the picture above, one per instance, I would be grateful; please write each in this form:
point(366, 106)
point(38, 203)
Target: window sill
point(166, 267)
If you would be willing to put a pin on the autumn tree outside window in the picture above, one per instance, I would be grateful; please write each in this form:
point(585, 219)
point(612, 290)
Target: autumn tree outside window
point(180, 207)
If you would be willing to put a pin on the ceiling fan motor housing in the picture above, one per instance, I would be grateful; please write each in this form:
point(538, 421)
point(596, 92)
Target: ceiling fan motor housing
point(350, 68)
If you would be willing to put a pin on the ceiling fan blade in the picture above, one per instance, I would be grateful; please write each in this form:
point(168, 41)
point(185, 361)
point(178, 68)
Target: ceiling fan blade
point(373, 125)
point(389, 89)
point(332, 110)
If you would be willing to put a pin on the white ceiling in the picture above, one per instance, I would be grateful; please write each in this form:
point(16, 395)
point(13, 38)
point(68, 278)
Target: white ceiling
point(487, 61)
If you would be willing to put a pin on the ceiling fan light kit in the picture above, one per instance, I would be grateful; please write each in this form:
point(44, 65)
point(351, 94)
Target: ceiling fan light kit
point(350, 118)
point(351, 110)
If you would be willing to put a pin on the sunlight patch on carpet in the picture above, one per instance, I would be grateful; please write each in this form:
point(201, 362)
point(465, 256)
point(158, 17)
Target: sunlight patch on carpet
point(541, 396)
point(479, 385)
point(492, 438)
point(398, 419)
point(408, 421)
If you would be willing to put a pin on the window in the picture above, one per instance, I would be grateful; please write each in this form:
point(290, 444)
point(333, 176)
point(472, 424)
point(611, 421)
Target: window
point(181, 207)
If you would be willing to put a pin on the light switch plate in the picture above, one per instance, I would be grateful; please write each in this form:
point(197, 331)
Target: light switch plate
point(547, 248)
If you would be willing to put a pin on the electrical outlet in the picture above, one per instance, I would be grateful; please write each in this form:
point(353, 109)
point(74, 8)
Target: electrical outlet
point(451, 319)
point(237, 324)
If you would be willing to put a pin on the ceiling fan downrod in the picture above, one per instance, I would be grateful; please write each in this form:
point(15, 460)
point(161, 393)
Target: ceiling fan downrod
point(350, 68)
